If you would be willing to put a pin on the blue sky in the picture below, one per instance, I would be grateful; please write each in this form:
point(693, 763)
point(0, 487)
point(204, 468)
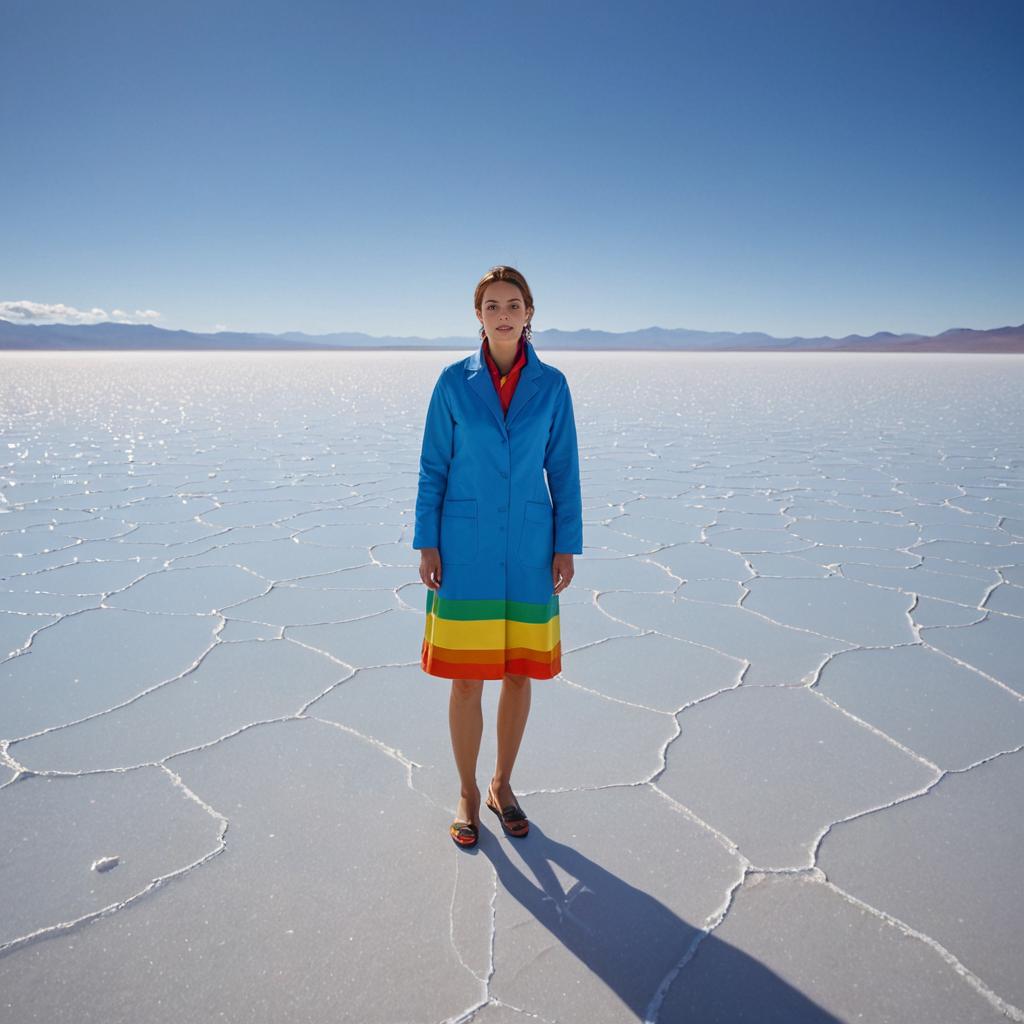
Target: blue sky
point(796, 167)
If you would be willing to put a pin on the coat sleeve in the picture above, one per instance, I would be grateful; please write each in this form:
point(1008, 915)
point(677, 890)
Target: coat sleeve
point(562, 464)
point(435, 458)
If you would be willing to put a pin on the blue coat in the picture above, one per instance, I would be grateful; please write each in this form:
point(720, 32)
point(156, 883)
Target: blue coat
point(482, 498)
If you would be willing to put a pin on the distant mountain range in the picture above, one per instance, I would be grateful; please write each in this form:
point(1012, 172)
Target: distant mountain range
point(114, 337)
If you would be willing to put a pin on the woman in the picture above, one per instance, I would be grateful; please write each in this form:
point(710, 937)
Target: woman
point(495, 554)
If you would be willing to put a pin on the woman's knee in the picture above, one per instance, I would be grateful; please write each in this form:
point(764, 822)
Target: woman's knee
point(517, 681)
point(467, 689)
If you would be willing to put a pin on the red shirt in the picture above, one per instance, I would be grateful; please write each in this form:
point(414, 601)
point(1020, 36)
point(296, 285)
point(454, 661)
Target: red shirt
point(505, 386)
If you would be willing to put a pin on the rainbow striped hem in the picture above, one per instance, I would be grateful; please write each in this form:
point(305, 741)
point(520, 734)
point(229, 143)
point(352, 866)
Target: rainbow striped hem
point(489, 639)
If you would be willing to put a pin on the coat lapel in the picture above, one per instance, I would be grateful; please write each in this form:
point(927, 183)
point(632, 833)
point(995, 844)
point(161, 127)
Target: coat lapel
point(527, 387)
point(479, 380)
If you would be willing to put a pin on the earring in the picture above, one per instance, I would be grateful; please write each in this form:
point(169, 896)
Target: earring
point(483, 333)
point(527, 332)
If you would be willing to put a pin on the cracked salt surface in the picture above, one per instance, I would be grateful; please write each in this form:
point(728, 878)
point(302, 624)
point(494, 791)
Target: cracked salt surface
point(777, 778)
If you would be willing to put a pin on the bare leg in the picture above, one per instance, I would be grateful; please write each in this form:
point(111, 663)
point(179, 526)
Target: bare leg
point(513, 710)
point(466, 722)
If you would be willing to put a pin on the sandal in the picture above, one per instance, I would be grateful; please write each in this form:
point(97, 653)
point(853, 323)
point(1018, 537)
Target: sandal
point(463, 833)
point(513, 820)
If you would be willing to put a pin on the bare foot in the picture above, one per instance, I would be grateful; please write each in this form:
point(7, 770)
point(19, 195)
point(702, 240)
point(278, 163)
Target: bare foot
point(502, 793)
point(468, 807)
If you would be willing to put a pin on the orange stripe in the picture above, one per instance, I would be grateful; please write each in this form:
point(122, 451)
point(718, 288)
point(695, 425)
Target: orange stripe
point(443, 670)
point(490, 664)
point(457, 656)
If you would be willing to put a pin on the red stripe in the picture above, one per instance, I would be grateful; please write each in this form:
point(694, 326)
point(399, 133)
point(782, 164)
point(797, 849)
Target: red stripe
point(434, 663)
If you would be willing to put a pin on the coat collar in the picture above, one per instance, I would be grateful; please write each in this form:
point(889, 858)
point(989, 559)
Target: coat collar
point(478, 378)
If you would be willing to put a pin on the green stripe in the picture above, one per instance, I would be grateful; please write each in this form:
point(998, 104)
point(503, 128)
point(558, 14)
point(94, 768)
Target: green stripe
point(515, 611)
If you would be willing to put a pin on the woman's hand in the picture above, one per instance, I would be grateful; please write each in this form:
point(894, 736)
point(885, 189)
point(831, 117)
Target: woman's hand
point(562, 571)
point(430, 567)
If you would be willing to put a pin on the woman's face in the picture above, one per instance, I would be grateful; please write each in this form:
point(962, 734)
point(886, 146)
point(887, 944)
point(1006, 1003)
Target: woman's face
point(503, 312)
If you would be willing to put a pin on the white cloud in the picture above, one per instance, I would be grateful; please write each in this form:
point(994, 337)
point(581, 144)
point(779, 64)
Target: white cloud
point(24, 311)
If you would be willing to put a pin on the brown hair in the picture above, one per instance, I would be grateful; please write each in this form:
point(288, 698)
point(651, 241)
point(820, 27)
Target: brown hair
point(509, 274)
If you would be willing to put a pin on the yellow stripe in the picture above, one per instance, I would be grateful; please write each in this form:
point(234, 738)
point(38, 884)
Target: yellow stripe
point(491, 634)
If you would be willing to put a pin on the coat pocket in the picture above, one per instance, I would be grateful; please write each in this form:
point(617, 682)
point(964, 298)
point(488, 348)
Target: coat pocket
point(537, 542)
point(459, 532)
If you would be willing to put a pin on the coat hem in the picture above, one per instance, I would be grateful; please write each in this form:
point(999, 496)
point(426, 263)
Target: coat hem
point(487, 678)
point(441, 669)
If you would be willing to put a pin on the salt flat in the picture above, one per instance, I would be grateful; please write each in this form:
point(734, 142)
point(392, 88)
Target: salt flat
point(779, 779)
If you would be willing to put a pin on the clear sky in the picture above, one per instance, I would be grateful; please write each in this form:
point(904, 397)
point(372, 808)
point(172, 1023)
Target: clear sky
point(800, 167)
